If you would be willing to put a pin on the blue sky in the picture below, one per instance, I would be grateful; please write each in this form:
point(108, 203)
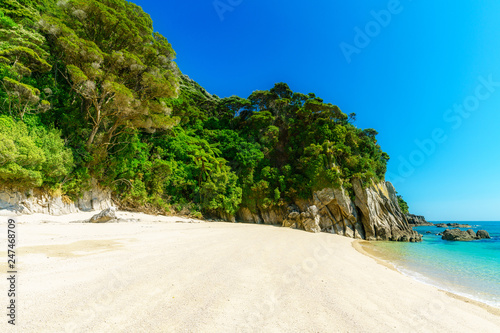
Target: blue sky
point(424, 74)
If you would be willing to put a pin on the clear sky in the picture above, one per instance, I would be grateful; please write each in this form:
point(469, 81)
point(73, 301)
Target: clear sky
point(425, 74)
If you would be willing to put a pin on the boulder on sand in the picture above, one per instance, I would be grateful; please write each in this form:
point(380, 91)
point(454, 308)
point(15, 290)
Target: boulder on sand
point(104, 216)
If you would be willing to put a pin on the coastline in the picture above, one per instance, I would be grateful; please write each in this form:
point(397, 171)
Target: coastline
point(153, 274)
point(364, 248)
point(358, 245)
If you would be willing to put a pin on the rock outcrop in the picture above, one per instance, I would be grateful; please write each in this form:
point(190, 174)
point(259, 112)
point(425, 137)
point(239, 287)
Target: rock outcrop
point(464, 236)
point(452, 225)
point(380, 214)
point(35, 201)
point(261, 216)
point(374, 214)
point(417, 220)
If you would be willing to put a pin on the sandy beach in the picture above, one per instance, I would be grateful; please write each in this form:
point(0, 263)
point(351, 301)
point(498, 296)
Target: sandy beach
point(170, 274)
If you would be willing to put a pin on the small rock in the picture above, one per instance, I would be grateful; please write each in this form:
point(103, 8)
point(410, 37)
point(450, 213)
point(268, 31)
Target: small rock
point(104, 216)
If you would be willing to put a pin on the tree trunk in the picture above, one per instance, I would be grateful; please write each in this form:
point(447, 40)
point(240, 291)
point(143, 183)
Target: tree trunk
point(96, 123)
point(92, 136)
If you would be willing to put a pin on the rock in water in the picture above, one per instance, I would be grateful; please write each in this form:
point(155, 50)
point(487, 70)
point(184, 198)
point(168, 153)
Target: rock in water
point(464, 236)
point(483, 234)
point(459, 235)
point(458, 225)
point(104, 216)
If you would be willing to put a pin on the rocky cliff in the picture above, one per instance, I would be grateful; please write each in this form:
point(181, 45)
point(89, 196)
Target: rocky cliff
point(417, 220)
point(34, 201)
point(374, 214)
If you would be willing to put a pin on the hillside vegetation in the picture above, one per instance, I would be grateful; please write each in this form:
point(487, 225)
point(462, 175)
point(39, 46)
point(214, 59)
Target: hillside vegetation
point(88, 91)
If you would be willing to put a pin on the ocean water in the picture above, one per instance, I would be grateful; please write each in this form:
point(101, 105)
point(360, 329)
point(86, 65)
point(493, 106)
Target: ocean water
point(470, 269)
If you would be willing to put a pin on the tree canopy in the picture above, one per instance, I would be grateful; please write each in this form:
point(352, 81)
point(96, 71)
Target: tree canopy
point(89, 90)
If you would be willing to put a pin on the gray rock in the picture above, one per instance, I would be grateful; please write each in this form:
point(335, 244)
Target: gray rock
point(37, 201)
point(106, 215)
point(393, 194)
point(381, 218)
point(482, 234)
point(228, 217)
point(471, 233)
point(292, 221)
point(458, 225)
point(310, 219)
point(95, 199)
point(324, 197)
point(260, 216)
point(373, 215)
point(246, 215)
point(459, 235)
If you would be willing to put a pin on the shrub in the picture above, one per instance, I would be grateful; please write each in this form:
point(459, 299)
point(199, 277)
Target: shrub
point(31, 158)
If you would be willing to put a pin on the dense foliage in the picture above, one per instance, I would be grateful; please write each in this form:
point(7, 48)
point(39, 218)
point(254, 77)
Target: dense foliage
point(403, 205)
point(89, 90)
point(31, 155)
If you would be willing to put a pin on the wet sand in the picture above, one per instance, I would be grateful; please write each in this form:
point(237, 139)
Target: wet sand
point(367, 249)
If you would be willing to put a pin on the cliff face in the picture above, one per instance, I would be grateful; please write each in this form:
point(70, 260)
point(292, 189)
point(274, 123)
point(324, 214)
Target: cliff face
point(31, 202)
point(373, 215)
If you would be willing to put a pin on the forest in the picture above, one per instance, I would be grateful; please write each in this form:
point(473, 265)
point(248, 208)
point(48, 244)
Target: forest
point(88, 90)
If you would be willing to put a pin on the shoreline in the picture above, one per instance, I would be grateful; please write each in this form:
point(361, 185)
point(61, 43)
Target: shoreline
point(152, 273)
point(363, 247)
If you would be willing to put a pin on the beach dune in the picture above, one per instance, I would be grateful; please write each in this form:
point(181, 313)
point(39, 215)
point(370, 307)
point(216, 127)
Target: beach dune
point(157, 275)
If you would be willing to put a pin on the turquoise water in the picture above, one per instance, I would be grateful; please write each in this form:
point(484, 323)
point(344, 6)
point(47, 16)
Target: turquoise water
point(470, 269)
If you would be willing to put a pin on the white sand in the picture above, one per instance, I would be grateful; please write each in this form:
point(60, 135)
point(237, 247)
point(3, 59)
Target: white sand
point(160, 276)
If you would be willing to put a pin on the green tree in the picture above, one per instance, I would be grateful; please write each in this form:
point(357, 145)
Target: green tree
point(22, 53)
point(220, 192)
point(31, 157)
point(403, 205)
point(121, 70)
